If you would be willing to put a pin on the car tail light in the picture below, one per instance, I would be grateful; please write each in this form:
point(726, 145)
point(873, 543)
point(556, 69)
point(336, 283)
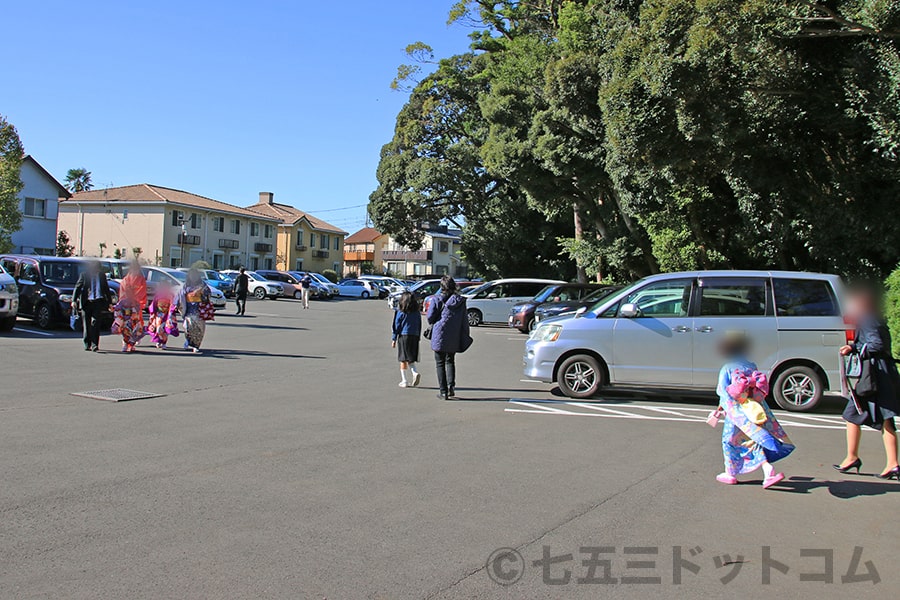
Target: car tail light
point(850, 331)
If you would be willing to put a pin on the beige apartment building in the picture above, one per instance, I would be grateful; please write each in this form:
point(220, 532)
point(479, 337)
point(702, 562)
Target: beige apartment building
point(168, 227)
point(440, 253)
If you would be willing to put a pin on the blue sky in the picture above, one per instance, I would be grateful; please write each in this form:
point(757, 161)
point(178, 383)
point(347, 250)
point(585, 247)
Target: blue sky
point(224, 99)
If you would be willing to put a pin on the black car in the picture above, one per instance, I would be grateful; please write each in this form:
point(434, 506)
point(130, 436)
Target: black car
point(548, 310)
point(45, 286)
point(522, 315)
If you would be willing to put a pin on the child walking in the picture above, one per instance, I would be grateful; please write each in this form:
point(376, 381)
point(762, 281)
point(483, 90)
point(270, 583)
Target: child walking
point(407, 329)
point(162, 316)
point(751, 438)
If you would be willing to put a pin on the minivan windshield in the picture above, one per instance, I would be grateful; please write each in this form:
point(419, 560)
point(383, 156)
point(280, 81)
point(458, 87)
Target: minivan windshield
point(623, 292)
point(471, 291)
point(544, 294)
point(58, 272)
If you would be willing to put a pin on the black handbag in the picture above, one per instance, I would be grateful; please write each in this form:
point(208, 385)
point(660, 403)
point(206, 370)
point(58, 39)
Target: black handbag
point(427, 333)
point(866, 385)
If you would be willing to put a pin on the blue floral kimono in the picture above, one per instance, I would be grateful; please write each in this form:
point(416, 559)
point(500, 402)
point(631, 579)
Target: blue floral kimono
point(746, 443)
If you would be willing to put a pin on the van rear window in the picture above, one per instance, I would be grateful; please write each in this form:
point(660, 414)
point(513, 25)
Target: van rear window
point(805, 298)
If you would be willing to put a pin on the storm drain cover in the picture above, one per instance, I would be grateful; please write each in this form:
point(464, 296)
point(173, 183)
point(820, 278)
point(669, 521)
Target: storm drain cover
point(117, 395)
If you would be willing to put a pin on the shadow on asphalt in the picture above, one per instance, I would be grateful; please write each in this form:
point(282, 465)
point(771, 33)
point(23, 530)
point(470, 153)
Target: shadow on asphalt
point(253, 326)
point(847, 489)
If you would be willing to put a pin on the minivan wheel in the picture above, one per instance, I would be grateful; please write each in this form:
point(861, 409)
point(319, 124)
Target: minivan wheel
point(44, 317)
point(474, 317)
point(298, 294)
point(580, 376)
point(798, 388)
point(364, 295)
point(260, 293)
point(7, 323)
point(532, 323)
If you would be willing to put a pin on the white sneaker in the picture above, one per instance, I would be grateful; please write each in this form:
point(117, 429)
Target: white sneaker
point(403, 384)
point(417, 377)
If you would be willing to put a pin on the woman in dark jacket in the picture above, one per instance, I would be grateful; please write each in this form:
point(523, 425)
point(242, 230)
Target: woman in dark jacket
point(449, 333)
point(873, 343)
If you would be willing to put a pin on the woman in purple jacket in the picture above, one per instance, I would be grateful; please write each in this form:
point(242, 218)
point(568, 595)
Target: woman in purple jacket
point(449, 333)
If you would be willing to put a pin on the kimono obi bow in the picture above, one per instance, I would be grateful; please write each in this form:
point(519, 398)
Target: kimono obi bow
point(748, 385)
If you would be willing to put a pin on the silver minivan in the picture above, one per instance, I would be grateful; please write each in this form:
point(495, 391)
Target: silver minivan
point(9, 300)
point(490, 302)
point(663, 331)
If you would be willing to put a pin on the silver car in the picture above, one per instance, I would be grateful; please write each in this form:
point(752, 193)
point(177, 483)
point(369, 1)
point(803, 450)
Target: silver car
point(9, 300)
point(663, 332)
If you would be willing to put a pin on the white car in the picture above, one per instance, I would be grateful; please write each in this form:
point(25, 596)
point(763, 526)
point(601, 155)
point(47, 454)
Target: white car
point(324, 291)
point(9, 301)
point(259, 286)
point(154, 275)
point(490, 302)
point(332, 288)
point(389, 283)
point(358, 288)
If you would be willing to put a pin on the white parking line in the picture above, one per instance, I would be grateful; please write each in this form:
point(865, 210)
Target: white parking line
point(44, 333)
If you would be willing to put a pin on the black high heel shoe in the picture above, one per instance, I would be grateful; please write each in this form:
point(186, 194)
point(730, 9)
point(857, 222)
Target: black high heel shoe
point(892, 474)
point(856, 464)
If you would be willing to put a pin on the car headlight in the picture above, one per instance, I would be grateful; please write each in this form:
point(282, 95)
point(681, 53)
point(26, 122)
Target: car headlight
point(9, 287)
point(547, 333)
point(67, 298)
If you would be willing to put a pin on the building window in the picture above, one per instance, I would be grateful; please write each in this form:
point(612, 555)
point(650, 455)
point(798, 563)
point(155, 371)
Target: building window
point(443, 247)
point(254, 263)
point(175, 257)
point(267, 231)
point(219, 224)
point(195, 221)
point(254, 229)
point(337, 243)
point(35, 207)
point(312, 240)
point(269, 265)
point(234, 261)
point(236, 226)
point(325, 241)
point(299, 264)
point(177, 218)
point(218, 261)
point(299, 237)
point(336, 267)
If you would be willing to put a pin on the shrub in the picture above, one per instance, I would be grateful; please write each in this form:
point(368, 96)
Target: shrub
point(201, 264)
point(892, 308)
point(330, 275)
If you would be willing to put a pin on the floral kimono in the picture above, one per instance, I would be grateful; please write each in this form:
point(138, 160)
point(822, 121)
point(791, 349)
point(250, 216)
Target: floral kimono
point(751, 434)
point(162, 318)
point(129, 312)
point(194, 303)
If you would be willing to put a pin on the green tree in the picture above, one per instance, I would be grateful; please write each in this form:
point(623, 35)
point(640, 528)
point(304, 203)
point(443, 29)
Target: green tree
point(63, 247)
point(78, 180)
point(11, 156)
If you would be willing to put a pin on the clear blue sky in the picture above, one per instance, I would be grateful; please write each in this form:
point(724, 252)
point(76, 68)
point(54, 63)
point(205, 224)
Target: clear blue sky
point(224, 99)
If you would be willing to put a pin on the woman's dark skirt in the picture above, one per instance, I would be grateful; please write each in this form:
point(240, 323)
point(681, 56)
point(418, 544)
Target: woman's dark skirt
point(408, 348)
point(882, 406)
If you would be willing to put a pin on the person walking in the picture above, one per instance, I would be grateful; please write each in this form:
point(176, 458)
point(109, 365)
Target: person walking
point(241, 289)
point(752, 438)
point(406, 329)
point(129, 312)
point(92, 298)
point(875, 407)
point(193, 301)
point(305, 286)
point(449, 334)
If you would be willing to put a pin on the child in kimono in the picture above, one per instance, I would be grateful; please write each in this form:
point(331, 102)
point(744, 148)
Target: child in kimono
point(129, 311)
point(751, 438)
point(162, 316)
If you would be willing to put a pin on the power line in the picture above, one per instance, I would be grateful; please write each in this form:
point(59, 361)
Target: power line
point(338, 209)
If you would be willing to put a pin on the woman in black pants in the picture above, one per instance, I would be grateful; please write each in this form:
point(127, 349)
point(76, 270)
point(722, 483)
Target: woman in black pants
point(449, 333)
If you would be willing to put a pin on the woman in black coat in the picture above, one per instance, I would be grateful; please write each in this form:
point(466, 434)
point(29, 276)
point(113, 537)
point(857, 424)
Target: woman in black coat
point(873, 343)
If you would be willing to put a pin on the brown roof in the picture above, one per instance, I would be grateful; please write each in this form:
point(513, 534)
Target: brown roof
point(292, 215)
point(366, 235)
point(144, 192)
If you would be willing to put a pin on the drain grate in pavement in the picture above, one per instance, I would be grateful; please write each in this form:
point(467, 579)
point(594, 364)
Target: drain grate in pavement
point(117, 395)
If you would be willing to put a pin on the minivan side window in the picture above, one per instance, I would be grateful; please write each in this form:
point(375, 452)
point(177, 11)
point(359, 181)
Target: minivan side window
point(662, 299)
point(523, 289)
point(29, 272)
point(804, 298)
point(733, 299)
point(10, 266)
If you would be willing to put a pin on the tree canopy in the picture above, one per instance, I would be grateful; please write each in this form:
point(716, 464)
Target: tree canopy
point(11, 156)
point(658, 135)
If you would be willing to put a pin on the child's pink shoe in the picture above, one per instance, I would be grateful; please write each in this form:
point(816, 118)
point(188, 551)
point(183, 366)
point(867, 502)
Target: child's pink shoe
point(770, 481)
point(726, 479)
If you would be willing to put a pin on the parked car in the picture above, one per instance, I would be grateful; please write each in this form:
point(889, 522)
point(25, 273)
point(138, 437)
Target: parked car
point(420, 289)
point(521, 315)
point(176, 278)
point(9, 300)
point(388, 283)
point(259, 286)
point(322, 288)
point(549, 310)
point(45, 285)
point(329, 285)
point(490, 302)
point(217, 280)
point(290, 284)
point(358, 288)
point(663, 331)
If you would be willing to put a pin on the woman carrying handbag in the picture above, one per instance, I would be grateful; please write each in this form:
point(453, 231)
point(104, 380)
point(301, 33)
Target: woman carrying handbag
point(874, 397)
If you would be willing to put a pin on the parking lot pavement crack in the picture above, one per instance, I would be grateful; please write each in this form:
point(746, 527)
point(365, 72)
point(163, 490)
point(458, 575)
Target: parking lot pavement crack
point(571, 518)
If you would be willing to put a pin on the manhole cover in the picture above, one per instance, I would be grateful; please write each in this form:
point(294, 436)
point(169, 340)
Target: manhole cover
point(117, 395)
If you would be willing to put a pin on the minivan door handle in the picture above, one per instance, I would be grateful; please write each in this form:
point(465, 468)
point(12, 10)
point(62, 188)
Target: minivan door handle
point(704, 329)
point(681, 329)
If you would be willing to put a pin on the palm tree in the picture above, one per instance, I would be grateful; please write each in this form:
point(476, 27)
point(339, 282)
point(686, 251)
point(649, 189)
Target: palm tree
point(78, 180)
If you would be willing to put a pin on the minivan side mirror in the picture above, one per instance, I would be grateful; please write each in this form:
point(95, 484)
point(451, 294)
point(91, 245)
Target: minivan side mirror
point(492, 295)
point(629, 311)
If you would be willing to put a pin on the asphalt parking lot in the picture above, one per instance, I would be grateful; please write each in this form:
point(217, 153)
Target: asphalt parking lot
point(284, 462)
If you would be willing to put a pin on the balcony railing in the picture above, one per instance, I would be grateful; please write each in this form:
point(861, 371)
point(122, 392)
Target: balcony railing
point(359, 256)
point(233, 244)
point(188, 239)
point(394, 255)
point(262, 247)
point(321, 253)
point(301, 247)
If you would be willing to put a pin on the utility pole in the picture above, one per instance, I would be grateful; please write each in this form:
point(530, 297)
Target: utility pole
point(183, 234)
